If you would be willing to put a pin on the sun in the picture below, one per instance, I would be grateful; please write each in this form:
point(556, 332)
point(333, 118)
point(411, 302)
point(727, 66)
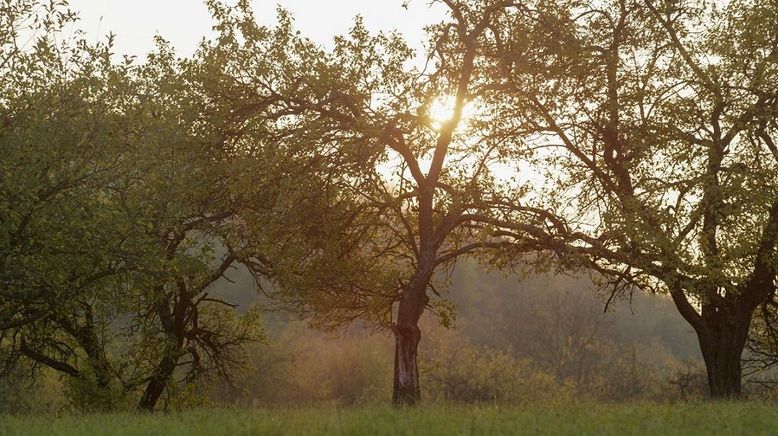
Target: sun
point(441, 111)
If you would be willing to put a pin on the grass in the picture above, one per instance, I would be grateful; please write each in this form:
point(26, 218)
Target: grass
point(601, 419)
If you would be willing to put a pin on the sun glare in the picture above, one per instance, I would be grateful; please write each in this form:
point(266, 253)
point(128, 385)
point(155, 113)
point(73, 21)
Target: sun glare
point(441, 111)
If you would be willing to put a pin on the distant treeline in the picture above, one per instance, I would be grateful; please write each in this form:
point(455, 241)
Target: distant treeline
point(516, 340)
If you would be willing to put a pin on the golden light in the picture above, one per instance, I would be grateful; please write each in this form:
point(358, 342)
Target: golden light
point(441, 111)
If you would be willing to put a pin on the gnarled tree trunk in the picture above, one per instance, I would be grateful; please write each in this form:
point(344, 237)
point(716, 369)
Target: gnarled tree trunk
point(173, 325)
point(158, 382)
point(407, 390)
point(406, 370)
point(722, 346)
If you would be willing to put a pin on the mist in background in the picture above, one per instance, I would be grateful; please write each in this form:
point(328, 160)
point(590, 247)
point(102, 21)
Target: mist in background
point(514, 340)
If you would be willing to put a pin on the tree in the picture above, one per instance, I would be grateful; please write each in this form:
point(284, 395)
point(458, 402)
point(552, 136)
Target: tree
point(187, 209)
point(119, 213)
point(54, 162)
point(657, 125)
point(409, 190)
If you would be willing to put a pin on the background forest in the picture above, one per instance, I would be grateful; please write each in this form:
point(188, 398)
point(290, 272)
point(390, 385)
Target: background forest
point(515, 340)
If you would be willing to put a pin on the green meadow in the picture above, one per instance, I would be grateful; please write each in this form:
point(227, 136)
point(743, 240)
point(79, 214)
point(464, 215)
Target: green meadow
point(580, 419)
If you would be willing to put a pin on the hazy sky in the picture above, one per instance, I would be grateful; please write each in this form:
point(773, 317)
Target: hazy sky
point(185, 22)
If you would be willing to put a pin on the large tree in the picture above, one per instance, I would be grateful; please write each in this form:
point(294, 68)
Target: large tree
point(54, 159)
point(656, 123)
point(408, 157)
point(119, 213)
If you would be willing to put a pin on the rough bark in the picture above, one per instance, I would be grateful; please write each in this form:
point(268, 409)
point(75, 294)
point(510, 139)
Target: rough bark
point(157, 383)
point(724, 372)
point(173, 325)
point(407, 390)
point(722, 346)
point(722, 354)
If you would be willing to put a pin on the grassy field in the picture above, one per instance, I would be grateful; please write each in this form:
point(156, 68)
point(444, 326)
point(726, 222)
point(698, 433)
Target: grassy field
point(638, 419)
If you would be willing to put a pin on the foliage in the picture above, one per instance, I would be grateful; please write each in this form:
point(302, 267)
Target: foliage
point(655, 125)
point(118, 213)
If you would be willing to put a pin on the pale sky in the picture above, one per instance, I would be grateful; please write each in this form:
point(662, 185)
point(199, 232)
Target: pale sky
point(185, 22)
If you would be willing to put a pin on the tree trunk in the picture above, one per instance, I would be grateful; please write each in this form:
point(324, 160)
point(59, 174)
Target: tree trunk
point(407, 390)
point(173, 325)
point(158, 382)
point(722, 348)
